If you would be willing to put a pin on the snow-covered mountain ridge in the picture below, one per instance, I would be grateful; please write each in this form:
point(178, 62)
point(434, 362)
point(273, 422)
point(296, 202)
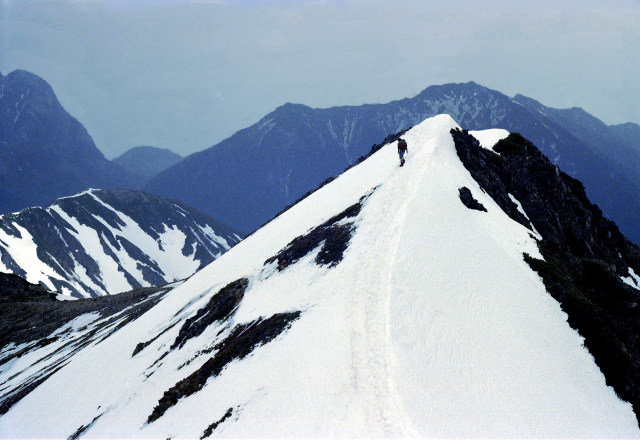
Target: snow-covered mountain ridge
point(378, 306)
point(103, 242)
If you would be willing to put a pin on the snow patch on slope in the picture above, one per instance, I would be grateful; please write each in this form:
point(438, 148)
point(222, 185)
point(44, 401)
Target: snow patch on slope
point(633, 279)
point(521, 211)
point(25, 254)
point(488, 138)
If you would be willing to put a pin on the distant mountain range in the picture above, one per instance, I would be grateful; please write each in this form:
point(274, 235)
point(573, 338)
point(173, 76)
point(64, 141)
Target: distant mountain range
point(145, 162)
point(104, 242)
point(45, 153)
point(247, 178)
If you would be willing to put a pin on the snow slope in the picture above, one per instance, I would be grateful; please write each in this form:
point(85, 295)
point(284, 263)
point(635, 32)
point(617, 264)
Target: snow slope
point(431, 325)
point(104, 242)
point(488, 138)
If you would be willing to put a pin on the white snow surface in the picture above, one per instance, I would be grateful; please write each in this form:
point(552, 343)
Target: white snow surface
point(521, 210)
point(633, 279)
point(431, 326)
point(24, 253)
point(488, 138)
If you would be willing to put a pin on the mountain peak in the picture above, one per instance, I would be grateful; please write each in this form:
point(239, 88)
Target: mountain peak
point(20, 74)
point(379, 295)
point(25, 94)
point(146, 161)
point(292, 107)
point(43, 143)
point(295, 148)
point(456, 88)
point(22, 80)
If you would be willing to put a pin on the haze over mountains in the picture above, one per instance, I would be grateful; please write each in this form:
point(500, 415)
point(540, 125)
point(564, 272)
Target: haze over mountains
point(145, 161)
point(246, 179)
point(249, 177)
point(475, 292)
point(45, 153)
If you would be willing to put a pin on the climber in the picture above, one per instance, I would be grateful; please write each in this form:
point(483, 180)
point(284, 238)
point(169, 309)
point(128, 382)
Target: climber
point(402, 150)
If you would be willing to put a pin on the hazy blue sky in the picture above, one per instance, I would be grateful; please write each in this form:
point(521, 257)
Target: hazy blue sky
point(186, 74)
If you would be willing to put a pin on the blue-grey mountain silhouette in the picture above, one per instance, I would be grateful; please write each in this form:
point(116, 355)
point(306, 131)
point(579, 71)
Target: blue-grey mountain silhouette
point(45, 153)
point(247, 178)
point(145, 161)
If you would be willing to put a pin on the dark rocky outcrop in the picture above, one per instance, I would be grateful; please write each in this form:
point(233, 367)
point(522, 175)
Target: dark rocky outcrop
point(142, 345)
point(219, 308)
point(333, 235)
point(244, 338)
point(15, 289)
point(555, 202)
point(585, 255)
point(82, 429)
point(469, 201)
point(207, 432)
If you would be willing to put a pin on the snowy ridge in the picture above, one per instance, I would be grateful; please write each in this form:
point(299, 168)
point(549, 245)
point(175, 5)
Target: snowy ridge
point(106, 242)
point(430, 324)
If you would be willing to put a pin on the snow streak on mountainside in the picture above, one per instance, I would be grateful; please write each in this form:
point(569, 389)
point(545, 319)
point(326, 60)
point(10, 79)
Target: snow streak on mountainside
point(105, 242)
point(379, 306)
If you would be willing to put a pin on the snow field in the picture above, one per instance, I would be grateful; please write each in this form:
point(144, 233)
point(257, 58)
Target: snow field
point(488, 138)
point(498, 357)
point(431, 326)
point(24, 253)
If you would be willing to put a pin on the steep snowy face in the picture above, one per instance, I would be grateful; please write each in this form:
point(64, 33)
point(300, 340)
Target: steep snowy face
point(382, 305)
point(105, 242)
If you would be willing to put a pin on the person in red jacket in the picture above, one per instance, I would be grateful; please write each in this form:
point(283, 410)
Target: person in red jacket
point(402, 150)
